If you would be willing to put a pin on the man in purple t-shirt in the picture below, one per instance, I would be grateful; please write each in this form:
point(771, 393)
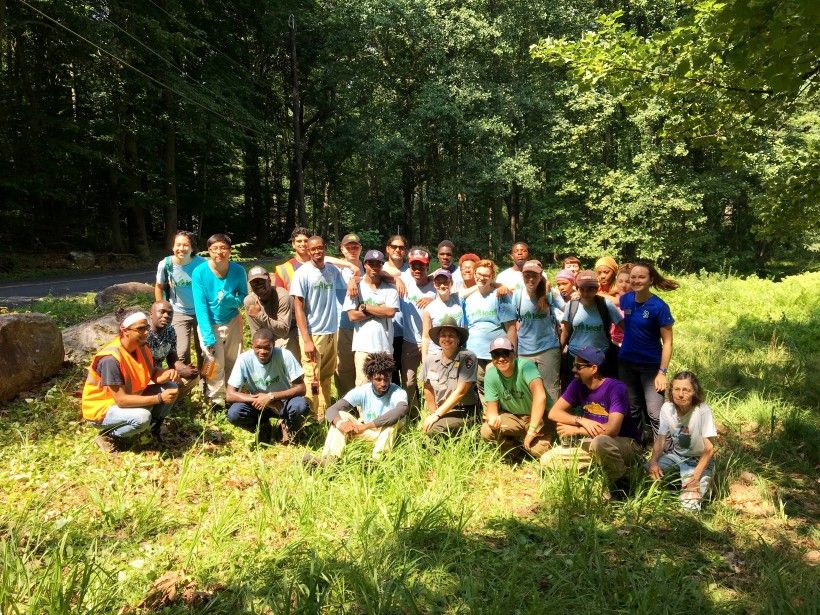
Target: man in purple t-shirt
point(608, 435)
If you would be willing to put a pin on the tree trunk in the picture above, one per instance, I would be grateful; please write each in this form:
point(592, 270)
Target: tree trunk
point(171, 211)
point(137, 232)
point(296, 199)
point(408, 188)
point(514, 209)
point(253, 191)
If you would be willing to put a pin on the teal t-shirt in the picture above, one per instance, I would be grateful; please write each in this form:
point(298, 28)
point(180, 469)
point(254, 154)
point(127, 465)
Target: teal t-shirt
point(588, 328)
point(512, 394)
point(278, 374)
point(536, 332)
point(182, 290)
point(318, 288)
point(485, 318)
point(370, 405)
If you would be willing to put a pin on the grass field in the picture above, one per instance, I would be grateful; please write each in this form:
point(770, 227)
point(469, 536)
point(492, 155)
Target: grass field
point(210, 525)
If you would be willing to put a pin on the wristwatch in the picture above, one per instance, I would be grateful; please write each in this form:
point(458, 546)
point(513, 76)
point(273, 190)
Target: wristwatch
point(577, 421)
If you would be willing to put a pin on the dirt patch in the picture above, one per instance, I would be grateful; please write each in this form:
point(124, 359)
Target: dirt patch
point(745, 496)
point(173, 588)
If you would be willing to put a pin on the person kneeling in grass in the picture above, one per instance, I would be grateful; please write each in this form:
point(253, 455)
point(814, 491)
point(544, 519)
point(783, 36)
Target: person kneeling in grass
point(382, 406)
point(118, 395)
point(449, 379)
point(514, 403)
point(274, 387)
point(162, 340)
point(605, 431)
point(690, 425)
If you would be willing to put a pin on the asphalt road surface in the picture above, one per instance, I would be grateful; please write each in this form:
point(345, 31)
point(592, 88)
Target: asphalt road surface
point(83, 283)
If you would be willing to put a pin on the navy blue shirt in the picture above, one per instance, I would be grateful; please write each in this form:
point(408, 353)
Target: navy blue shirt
point(642, 328)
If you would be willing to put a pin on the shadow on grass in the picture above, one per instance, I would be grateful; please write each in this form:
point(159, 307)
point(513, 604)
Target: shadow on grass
point(46, 416)
point(427, 563)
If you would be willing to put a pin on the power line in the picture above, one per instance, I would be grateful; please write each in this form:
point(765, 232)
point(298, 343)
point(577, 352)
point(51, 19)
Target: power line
point(182, 72)
point(135, 69)
point(192, 30)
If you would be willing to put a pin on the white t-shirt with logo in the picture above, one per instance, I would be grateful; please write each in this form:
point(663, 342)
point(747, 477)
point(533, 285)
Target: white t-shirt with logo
point(376, 333)
point(688, 431)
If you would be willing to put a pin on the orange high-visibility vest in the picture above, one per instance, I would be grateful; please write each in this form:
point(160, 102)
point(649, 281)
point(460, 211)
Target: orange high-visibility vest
point(283, 274)
point(136, 374)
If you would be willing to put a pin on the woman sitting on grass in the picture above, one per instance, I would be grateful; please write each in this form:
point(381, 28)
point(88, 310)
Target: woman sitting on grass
point(689, 423)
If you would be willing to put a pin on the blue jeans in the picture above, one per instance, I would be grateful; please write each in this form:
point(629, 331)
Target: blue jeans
point(644, 401)
point(670, 463)
point(292, 412)
point(129, 422)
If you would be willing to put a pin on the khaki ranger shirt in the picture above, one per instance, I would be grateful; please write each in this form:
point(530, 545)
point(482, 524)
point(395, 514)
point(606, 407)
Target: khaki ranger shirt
point(444, 376)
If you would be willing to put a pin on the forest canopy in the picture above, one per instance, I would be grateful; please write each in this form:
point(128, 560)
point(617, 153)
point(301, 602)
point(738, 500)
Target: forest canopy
point(684, 131)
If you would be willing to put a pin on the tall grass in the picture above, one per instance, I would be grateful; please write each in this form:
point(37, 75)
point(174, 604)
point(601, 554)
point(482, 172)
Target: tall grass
point(448, 528)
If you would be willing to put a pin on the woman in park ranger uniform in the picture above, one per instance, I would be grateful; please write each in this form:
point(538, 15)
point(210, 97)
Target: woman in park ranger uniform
point(449, 378)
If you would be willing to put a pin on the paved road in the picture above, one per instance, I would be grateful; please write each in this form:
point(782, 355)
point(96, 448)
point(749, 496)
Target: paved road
point(92, 282)
point(59, 287)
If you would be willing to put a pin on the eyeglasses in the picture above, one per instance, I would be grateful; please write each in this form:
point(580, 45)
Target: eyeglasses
point(500, 356)
point(395, 247)
point(316, 250)
point(578, 366)
point(219, 249)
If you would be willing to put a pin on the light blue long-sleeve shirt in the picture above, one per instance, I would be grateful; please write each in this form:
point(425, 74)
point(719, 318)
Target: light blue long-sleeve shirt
point(217, 300)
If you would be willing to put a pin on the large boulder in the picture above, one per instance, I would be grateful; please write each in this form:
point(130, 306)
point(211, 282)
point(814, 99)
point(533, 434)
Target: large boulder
point(31, 350)
point(83, 340)
point(119, 294)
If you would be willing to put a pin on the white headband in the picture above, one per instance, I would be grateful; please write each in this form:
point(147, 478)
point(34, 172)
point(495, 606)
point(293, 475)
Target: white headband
point(132, 318)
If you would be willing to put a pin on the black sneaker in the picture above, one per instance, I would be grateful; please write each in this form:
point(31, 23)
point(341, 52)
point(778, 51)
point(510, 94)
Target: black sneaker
point(265, 433)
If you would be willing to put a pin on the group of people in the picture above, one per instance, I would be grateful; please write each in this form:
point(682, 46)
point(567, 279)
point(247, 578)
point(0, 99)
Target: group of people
point(574, 373)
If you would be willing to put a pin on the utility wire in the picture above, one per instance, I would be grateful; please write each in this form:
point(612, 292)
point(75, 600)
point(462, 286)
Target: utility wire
point(137, 70)
point(182, 72)
point(193, 31)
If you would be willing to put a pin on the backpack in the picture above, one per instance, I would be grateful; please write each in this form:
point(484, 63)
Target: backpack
point(169, 290)
point(611, 356)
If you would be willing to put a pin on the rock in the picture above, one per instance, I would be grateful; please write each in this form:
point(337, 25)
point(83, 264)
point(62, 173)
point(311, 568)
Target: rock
point(748, 477)
point(119, 294)
point(82, 259)
point(83, 340)
point(31, 350)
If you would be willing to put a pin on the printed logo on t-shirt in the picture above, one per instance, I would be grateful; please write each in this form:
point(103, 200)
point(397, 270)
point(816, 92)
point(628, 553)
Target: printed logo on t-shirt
point(683, 438)
point(596, 409)
point(646, 314)
point(593, 328)
point(182, 281)
point(264, 382)
point(480, 313)
point(512, 394)
point(322, 285)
